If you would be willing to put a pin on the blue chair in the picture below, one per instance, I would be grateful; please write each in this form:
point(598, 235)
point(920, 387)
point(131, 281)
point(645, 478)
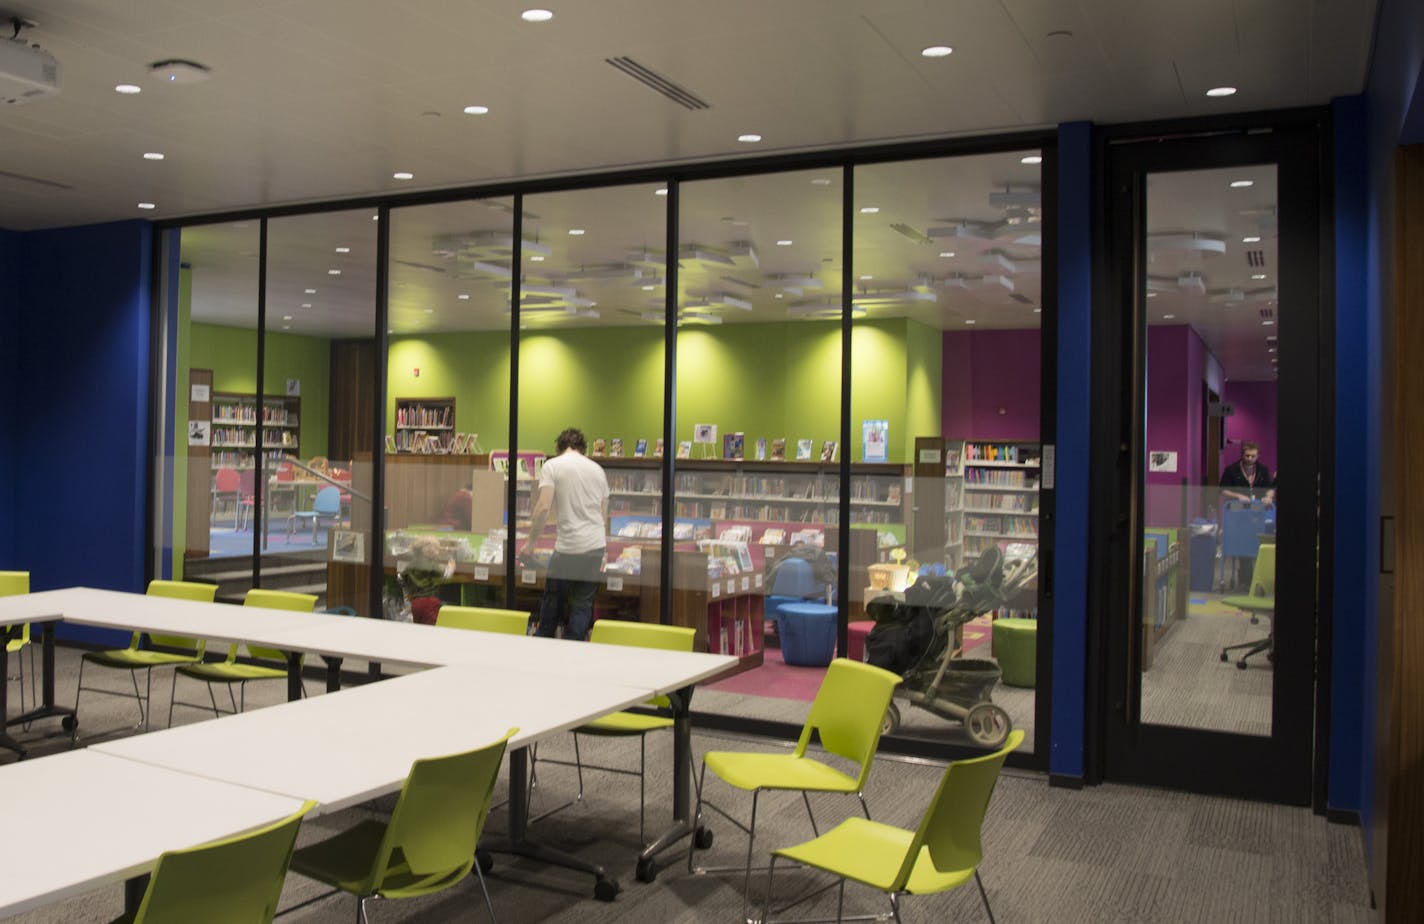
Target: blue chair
point(325, 506)
point(795, 582)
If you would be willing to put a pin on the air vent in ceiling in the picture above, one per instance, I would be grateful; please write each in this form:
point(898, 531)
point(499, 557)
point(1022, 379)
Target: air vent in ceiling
point(655, 81)
point(1255, 258)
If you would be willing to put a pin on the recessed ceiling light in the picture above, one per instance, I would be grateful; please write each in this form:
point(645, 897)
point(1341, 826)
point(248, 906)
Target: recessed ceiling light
point(343, 250)
point(147, 205)
point(430, 311)
point(128, 89)
point(536, 258)
point(286, 327)
point(476, 110)
point(947, 253)
point(536, 15)
point(1151, 294)
point(1038, 311)
point(463, 296)
point(749, 138)
point(778, 295)
point(1268, 323)
point(1251, 239)
point(1242, 184)
point(662, 191)
point(286, 317)
point(309, 291)
point(869, 210)
point(820, 181)
point(576, 232)
point(865, 278)
point(306, 304)
point(1270, 349)
point(403, 175)
point(1168, 317)
point(970, 321)
point(649, 288)
point(1031, 159)
point(333, 272)
point(784, 243)
point(152, 155)
point(937, 51)
point(1221, 91)
point(1258, 275)
point(376, 217)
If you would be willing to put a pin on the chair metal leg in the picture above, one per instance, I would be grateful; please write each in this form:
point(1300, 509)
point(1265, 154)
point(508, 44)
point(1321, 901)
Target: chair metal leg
point(489, 905)
point(213, 697)
point(172, 696)
point(840, 902)
point(696, 816)
point(863, 807)
point(806, 797)
point(751, 843)
point(642, 786)
point(895, 907)
point(138, 697)
point(770, 878)
point(361, 911)
point(578, 768)
point(985, 896)
point(147, 698)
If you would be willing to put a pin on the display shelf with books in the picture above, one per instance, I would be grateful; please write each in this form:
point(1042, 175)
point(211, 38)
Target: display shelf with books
point(425, 425)
point(953, 504)
point(233, 436)
point(789, 492)
point(1000, 494)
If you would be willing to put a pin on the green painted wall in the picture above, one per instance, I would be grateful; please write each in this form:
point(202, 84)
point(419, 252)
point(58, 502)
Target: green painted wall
point(779, 380)
point(231, 352)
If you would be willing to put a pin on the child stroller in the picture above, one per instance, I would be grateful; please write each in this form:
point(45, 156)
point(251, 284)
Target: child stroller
point(916, 640)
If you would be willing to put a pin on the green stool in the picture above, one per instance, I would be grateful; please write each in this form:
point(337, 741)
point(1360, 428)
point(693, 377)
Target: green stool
point(1015, 644)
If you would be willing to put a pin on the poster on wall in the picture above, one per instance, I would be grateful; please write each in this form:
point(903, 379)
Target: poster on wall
point(875, 440)
point(294, 388)
point(199, 432)
point(1160, 461)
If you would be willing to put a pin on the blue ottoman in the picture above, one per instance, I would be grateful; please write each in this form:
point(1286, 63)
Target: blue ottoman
point(808, 634)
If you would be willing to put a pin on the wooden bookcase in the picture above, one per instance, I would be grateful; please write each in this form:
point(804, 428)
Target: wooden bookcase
point(234, 429)
point(418, 418)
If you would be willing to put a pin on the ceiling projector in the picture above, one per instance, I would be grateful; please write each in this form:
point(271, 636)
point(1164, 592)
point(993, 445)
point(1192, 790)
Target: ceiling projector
point(27, 73)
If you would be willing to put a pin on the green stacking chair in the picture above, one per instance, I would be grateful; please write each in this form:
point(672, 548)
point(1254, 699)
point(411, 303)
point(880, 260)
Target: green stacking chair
point(236, 880)
point(848, 713)
point(628, 724)
point(1259, 601)
point(943, 853)
point(272, 662)
point(145, 657)
point(14, 583)
point(483, 619)
point(429, 843)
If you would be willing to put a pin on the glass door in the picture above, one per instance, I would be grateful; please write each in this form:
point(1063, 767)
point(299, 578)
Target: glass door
point(1210, 644)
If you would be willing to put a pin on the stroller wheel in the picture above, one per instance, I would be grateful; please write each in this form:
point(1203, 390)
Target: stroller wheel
point(892, 720)
point(987, 725)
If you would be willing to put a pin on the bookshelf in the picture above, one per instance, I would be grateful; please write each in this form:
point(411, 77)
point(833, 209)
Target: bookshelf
point(953, 504)
point(419, 418)
point(1000, 487)
point(796, 492)
point(234, 419)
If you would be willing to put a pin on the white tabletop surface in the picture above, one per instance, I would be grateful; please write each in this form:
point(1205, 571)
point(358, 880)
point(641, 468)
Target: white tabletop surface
point(412, 643)
point(80, 820)
point(347, 747)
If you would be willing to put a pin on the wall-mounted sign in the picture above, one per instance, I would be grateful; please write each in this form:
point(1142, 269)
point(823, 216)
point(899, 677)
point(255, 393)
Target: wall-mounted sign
point(199, 393)
point(1160, 461)
point(199, 432)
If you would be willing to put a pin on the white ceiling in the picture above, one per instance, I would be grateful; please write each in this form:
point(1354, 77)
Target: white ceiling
point(314, 100)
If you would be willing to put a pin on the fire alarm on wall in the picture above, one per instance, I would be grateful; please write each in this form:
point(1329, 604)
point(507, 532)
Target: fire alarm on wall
point(416, 372)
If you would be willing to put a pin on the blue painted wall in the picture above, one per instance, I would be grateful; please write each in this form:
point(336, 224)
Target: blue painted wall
point(1394, 116)
point(9, 411)
point(81, 386)
point(1070, 580)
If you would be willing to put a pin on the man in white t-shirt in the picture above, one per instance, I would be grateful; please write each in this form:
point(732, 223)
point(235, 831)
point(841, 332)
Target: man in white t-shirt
point(575, 488)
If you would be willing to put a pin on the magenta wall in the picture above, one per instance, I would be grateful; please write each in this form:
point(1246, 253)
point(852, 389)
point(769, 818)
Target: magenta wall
point(1255, 420)
point(1178, 365)
point(991, 384)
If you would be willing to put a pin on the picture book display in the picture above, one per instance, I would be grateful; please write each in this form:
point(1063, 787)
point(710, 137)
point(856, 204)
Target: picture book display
point(828, 451)
point(615, 448)
point(803, 450)
point(640, 448)
point(598, 447)
point(684, 449)
point(778, 450)
point(733, 445)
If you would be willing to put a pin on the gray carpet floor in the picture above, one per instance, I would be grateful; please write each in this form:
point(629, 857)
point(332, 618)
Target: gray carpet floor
point(1105, 854)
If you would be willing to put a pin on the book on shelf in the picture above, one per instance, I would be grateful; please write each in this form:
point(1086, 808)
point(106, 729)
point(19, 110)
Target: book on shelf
point(684, 449)
point(778, 450)
point(892, 494)
point(658, 448)
point(640, 449)
point(803, 450)
point(615, 448)
point(761, 449)
point(598, 447)
point(814, 537)
point(828, 451)
point(735, 534)
point(733, 445)
point(773, 536)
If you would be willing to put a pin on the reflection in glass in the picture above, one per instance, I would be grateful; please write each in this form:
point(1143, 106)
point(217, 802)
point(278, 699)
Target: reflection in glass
point(1208, 563)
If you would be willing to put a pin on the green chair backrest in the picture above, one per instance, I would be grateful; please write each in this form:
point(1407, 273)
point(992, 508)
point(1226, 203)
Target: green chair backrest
point(12, 584)
point(849, 712)
point(949, 831)
point(438, 820)
point(1263, 576)
point(236, 880)
point(274, 600)
point(483, 619)
point(181, 590)
point(644, 635)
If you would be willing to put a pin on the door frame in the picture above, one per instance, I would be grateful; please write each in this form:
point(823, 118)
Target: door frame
point(1281, 768)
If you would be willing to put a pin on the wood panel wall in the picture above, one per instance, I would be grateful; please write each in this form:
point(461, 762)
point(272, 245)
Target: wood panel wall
point(1405, 760)
point(353, 399)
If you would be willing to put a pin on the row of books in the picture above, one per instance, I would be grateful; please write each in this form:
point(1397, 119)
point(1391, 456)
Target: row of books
point(1001, 452)
point(428, 416)
point(1000, 478)
point(1026, 526)
point(1013, 503)
point(613, 448)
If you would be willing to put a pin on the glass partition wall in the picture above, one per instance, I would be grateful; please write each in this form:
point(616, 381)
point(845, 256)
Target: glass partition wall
point(865, 487)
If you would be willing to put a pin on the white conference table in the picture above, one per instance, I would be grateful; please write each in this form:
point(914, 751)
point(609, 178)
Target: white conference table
point(541, 685)
point(80, 820)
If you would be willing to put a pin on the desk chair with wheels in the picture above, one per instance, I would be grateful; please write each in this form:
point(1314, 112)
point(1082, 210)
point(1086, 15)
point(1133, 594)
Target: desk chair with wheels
point(628, 724)
point(429, 843)
point(271, 662)
point(325, 506)
point(14, 583)
point(848, 713)
point(483, 619)
point(160, 650)
point(1261, 601)
point(236, 880)
point(942, 853)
